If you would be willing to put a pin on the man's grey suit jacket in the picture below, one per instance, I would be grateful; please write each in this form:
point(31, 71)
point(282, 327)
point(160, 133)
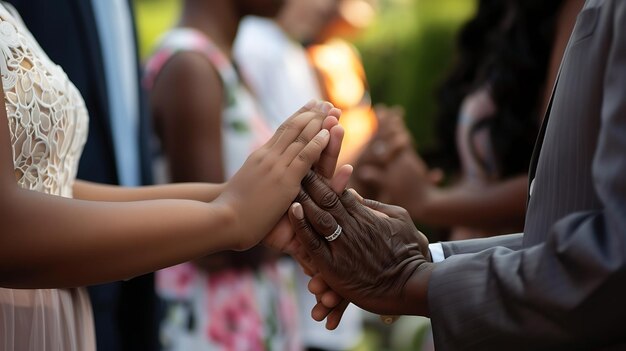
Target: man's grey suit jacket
point(562, 284)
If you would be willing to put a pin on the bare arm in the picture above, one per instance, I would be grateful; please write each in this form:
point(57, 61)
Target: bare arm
point(494, 206)
point(406, 182)
point(187, 102)
point(49, 241)
point(204, 192)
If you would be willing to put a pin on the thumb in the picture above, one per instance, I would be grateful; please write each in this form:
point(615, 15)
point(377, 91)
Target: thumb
point(312, 243)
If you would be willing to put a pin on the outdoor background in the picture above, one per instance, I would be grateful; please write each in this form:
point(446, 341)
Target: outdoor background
point(406, 51)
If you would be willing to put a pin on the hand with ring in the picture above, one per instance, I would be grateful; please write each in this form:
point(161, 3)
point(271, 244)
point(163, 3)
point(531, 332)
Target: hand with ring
point(374, 253)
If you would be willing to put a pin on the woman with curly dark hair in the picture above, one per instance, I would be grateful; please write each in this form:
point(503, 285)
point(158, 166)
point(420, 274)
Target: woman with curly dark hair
point(490, 109)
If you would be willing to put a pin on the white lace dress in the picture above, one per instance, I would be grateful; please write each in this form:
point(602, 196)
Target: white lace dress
point(48, 128)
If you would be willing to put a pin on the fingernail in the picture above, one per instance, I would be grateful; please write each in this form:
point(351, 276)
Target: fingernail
point(297, 210)
point(326, 107)
point(323, 133)
point(309, 105)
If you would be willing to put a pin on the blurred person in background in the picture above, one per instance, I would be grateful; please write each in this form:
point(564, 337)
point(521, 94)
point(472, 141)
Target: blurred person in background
point(274, 62)
point(208, 123)
point(95, 43)
point(488, 122)
point(342, 76)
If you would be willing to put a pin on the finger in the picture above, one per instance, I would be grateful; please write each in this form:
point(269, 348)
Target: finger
point(328, 161)
point(292, 128)
point(331, 299)
point(319, 312)
point(323, 195)
point(390, 210)
point(335, 112)
point(329, 122)
point(281, 129)
point(334, 317)
point(360, 199)
point(312, 242)
point(317, 285)
point(340, 180)
point(305, 261)
point(299, 143)
point(321, 221)
point(310, 154)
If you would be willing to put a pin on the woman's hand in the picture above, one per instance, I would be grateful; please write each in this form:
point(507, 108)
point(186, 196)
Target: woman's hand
point(262, 190)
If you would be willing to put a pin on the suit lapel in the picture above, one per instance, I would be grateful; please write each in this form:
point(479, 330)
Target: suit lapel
point(542, 133)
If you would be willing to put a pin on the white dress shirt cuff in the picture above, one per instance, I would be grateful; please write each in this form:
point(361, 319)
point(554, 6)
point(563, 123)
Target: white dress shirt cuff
point(436, 252)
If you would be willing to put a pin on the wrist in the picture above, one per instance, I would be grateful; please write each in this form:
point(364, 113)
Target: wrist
point(234, 235)
point(416, 290)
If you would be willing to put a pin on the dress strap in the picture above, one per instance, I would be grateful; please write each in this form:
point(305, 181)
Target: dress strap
point(188, 39)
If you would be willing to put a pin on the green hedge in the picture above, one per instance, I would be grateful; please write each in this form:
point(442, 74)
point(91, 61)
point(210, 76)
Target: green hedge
point(407, 52)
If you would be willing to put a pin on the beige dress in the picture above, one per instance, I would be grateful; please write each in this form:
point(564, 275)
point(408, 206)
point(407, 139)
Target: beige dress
point(48, 128)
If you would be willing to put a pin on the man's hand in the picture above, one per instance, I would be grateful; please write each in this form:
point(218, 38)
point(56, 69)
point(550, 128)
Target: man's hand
point(378, 262)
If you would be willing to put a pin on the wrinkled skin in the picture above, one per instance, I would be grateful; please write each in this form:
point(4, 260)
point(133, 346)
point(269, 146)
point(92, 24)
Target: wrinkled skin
point(372, 264)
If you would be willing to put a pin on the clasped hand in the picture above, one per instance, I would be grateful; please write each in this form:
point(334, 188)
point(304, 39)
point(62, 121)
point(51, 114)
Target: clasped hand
point(380, 262)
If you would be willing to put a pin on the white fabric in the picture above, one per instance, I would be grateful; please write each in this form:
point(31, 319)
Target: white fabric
point(276, 68)
point(120, 60)
point(48, 128)
point(436, 252)
point(279, 72)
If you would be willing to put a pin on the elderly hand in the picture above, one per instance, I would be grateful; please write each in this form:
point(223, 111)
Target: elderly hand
point(378, 262)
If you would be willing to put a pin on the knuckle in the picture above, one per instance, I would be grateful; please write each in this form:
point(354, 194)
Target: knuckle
point(329, 199)
point(301, 139)
point(323, 219)
point(305, 157)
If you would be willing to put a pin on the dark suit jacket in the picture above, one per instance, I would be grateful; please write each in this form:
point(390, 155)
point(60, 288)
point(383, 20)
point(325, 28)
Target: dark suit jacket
point(562, 284)
point(124, 312)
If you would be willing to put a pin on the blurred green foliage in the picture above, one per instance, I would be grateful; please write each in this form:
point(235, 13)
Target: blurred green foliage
point(153, 18)
point(407, 53)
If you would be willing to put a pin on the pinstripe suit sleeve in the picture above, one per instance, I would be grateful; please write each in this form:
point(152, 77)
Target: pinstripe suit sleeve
point(567, 292)
point(511, 241)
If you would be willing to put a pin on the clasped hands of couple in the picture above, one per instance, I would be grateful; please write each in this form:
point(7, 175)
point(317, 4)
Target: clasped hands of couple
point(356, 250)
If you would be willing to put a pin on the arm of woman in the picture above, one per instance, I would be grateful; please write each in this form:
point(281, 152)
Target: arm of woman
point(49, 241)
point(187, 102)
point(493, 207)
point(204, 192)
point(496, 206)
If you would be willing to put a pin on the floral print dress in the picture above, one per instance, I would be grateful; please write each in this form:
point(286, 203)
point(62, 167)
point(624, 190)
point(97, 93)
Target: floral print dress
point(232, 309)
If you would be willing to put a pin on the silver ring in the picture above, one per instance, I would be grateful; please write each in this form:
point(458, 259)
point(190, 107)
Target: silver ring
point(334, 235)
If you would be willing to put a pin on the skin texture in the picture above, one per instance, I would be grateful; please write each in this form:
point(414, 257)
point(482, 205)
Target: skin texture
point(52, 242)
point(379, 262)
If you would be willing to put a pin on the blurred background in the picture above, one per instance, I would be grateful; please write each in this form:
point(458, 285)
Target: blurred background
point(405, 51)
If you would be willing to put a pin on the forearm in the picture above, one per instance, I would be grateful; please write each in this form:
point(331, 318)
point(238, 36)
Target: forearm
point(492, 207)
point(204, 192)
point(85, 242)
